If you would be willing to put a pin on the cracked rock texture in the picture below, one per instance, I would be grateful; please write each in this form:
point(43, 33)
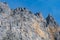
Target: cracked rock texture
point(22, 24)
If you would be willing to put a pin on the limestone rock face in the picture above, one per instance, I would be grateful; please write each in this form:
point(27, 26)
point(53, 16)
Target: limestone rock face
point(4, 10)
point(22, 24)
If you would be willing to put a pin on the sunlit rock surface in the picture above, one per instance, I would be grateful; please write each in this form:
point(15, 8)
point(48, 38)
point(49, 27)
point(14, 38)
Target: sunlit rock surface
point(22, 24)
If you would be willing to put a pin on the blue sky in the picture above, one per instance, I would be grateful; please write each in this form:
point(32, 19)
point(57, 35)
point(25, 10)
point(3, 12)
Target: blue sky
point(43, 6)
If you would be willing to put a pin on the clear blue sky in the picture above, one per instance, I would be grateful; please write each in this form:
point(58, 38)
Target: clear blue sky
point(44, 6)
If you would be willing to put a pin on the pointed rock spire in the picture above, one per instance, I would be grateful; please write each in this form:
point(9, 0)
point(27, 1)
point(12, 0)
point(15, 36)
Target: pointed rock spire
point(50, 20)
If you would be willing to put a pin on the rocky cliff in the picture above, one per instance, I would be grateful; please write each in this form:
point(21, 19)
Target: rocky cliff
point(22, 24)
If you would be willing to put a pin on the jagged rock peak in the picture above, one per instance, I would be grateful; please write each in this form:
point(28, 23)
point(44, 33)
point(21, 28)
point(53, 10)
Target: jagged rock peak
point(50, 20)
point(38, 14)
point(21, 10)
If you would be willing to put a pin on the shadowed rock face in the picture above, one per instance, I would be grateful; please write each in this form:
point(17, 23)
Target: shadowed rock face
point(22, 24)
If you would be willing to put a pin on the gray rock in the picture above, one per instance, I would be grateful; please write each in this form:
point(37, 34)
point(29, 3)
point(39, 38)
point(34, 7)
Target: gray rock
point(22, 24)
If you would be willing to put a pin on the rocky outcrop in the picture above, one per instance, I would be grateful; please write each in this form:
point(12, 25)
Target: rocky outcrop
point(22, 24)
